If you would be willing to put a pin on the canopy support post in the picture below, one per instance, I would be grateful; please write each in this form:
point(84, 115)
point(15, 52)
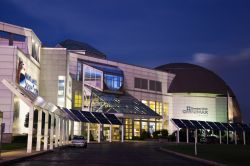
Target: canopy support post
point(39, 130)
point(51, 131)
point(30, 130)
point(110, 133)
point(46, 130)
point(220, 135)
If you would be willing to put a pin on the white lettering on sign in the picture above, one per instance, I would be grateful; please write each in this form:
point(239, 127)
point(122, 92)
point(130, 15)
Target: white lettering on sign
point(195, 110)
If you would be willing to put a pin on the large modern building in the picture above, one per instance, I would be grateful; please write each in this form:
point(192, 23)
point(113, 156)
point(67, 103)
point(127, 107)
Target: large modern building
point(75, 75)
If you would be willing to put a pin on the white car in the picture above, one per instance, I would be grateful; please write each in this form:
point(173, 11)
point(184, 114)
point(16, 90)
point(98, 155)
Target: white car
point(79, 141)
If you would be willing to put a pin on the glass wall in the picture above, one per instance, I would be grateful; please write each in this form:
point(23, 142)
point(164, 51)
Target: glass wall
point(113, 82)
point(128, 128)
point(78, 99)
point(93, 77)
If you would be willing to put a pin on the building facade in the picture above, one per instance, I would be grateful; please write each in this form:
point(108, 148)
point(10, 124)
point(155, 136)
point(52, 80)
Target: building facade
point(75, 75)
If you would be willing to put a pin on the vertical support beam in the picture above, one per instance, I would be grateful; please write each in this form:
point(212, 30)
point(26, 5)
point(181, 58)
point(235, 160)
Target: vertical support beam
point(110, 133)
point(187, 135)
point(60, 132)
point(220, 135)
point(39, 130)
point(195, 144)
point(122, 137)
point(99, 133)
point(51, 131)
point(235, 137)
point(72, 129)
point(67, 132)
point(178, 136)
point(46, 131)
point(88, 133)
point(57, 132)
point(227, 136)
point(63, 132)
point(244, 137)
point(30, 131)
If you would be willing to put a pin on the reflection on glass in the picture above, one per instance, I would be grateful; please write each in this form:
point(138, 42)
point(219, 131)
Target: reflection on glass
point(93, 77)
point(113, 82)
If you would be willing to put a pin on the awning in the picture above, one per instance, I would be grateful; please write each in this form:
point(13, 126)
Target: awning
point(193, 124)
point(91, 117)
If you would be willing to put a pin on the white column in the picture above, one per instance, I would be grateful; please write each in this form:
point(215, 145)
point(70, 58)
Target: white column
point(72, 129)
point(51, 131)
point(46, 131)
point(178, 136)
point(67, 132)
point(63, 132)
point(122, 139)
point(220, 136)
point(187, 135)
point(57, 131)
point(99, 133)
point(39, 130)
point(235, 137)
point(30, 131)
point(244, 137)
point(227, 136)
point(110, 133)
point(196, 135)
point(60, 132)
point(88, 134)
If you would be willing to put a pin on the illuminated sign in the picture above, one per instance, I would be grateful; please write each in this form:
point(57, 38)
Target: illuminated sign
point(195, 110)
point(24, 79)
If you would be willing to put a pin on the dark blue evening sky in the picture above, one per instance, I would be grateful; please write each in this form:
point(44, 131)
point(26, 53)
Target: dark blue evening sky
point(211, 33)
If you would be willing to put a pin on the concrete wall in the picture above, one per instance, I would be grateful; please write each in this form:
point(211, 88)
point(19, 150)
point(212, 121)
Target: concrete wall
point(216, 108)
point(7, 71)
point(53, 64)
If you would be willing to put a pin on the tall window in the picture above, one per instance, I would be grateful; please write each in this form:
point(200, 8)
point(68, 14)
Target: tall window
point(93, 77)
point(152, 105)
point(165, 109)
point(61, 91)
point(78, 99)
point(113, 82)
point(158, 108)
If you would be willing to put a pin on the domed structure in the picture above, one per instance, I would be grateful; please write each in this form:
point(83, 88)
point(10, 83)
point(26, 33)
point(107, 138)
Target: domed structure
point(190, 78)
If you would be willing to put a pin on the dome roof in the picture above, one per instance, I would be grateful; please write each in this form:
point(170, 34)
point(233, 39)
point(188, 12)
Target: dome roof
point(77, 45)
point(190, 78)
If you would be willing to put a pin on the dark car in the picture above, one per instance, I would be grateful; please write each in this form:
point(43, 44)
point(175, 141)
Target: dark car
point(209, 140)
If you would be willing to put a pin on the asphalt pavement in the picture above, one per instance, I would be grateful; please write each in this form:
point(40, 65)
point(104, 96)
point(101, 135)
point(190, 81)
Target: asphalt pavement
point(112, 154)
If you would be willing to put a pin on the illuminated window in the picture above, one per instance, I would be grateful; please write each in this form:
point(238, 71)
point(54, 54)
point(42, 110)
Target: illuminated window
point(78, 99)
point(113, 82)
point(137, 128)
point(152, 105)
point(145, 102)
point(165, 109)
point(61, 91)
point(158, 109)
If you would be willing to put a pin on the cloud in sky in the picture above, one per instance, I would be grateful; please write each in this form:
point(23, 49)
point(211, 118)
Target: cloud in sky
point(235, 70)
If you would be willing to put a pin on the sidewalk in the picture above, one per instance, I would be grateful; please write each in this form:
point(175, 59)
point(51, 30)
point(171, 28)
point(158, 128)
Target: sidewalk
point(13, 156)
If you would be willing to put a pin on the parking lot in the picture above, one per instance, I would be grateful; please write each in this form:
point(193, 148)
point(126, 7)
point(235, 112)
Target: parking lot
point(132, 153)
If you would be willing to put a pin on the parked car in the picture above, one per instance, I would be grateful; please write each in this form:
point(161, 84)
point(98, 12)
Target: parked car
point(79, 141)
point(209, 139)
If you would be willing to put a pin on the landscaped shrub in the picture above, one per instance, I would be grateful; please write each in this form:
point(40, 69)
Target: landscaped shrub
point(20, 139)
point(145, 135)
point(160, 134)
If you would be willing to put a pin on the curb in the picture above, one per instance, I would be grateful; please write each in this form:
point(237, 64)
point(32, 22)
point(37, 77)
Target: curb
point(19, 159)
point(203, 161)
